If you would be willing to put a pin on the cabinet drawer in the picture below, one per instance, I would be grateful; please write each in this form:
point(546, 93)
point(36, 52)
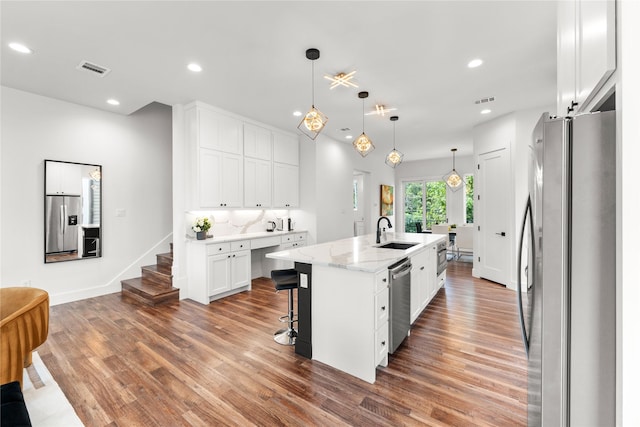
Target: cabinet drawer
point(265, 242)
point(288, 238)
point(382, 342)
point(300, 237)
point(382, 280)
point(382, 307)
point(240, 245)
point(291, 245)
point(218, 248)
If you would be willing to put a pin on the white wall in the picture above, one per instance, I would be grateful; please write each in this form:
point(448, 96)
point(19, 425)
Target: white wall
point(326, 185)
point(628, 196)
point(435, 169)
point(511, 132)
point(135, 153)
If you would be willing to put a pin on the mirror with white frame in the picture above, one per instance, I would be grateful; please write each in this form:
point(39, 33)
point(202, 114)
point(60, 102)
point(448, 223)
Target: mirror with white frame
point(72, 211)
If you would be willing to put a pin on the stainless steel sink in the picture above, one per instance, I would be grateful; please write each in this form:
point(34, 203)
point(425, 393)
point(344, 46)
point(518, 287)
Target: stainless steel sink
point(397, 245)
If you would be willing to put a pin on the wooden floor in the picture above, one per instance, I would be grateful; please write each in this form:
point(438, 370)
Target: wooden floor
point(127, 364)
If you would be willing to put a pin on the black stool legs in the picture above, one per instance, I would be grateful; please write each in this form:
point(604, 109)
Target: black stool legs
point(286, 280)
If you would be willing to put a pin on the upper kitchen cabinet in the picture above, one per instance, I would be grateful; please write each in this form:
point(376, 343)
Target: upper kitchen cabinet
point(220, 179)
point(63, 178)
point(586, 51)
point(219, 132)
point(257, 142)
point(286, 186)
point(285, 149)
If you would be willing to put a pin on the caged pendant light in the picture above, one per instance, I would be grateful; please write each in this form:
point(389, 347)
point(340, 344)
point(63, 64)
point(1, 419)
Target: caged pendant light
point(394, 158)
point(363, 144)
point(453, 180)
point(313, 122)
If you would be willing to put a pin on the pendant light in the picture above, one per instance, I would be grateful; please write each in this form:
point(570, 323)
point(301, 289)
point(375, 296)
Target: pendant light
point(453, 180)
point(394, 158)
point(313, 122)
point(363, 144)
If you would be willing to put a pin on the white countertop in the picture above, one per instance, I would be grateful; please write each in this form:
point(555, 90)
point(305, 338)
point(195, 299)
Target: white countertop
point(245, 236)
point(359, 253)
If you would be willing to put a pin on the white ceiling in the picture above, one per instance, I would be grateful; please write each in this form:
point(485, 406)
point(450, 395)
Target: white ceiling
point(408, 55)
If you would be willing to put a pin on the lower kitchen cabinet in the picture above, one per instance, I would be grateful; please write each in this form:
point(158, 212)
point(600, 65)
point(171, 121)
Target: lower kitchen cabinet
point(218, 270)
point(424, 284)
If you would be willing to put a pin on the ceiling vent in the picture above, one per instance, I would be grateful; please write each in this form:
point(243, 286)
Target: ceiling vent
point(485, 100)
point(95, 69)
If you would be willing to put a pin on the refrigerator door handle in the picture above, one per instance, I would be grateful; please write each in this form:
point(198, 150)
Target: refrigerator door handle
point(62, 217)
point(527, 212)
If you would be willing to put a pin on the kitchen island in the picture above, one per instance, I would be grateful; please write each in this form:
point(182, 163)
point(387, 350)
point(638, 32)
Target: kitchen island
point(343, 298)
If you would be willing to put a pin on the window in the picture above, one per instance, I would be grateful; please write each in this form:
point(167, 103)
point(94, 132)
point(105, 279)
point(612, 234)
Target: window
point(468, 198)
point(425, 203)
point(355, 194)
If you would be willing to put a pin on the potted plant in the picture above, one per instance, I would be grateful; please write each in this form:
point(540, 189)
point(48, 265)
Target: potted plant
point(201, 225)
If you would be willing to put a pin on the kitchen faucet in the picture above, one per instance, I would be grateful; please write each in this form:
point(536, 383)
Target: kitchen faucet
point(378, 232)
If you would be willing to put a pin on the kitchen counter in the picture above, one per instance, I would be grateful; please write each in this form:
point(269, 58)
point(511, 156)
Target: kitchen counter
point(344, 299)
point(245, 236)
point(359, 253)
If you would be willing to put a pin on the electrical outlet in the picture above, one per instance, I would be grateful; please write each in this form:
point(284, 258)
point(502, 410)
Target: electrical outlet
point(121, 212)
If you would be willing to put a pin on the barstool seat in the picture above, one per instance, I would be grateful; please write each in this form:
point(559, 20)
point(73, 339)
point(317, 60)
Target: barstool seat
point(286, 279)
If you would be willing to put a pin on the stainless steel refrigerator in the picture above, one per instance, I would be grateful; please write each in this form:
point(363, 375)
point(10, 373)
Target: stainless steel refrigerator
point(63, 217)
point(567, 295)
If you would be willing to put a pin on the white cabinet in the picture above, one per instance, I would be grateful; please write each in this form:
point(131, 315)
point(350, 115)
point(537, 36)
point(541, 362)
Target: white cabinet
point(420, 291)
point(424, 285)
point(63, 178)
point(234, 164)
point(217, 270)
point(586, 52)
point(257, 183)
point(219, 132)
point(285, 149)
point(257, 142)
point(350, 320)
point(220, 179)
point(285, 186)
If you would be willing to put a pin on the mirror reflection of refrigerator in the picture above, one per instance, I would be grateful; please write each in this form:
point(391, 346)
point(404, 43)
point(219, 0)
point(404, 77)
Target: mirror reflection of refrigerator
point(63, 216)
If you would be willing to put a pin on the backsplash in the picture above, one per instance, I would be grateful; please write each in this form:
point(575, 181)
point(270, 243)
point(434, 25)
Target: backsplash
point(231, 222)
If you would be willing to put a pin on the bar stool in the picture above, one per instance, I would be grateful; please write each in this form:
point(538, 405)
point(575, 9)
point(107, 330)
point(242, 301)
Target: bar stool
point(286, 279)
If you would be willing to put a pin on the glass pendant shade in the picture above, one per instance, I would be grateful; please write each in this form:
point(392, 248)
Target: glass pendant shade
point(312, 123)
point(394, 158)
point(452, 179)
point(363, 145)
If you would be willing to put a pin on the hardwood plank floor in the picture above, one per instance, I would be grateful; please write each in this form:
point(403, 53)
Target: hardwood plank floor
point(128, 364)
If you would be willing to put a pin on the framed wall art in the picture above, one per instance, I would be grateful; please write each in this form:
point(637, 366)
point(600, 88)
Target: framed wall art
point(386, 200)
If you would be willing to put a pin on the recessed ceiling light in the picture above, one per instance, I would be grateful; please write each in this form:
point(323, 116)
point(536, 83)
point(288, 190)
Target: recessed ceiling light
point(297, 113)
point(194, 67)
point(487, 111)
point(20, 48)
point(113, 101)
point(474, 63)
point(348, 137)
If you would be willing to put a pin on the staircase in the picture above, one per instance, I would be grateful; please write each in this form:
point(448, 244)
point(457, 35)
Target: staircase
point(154, 287)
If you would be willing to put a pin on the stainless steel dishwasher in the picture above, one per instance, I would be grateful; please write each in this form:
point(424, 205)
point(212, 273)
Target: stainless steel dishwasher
point(400, 302)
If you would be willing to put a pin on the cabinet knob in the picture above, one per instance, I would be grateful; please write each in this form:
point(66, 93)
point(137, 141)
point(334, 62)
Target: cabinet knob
point(384, 280)
point(383, 308)
point(571, 107)
point(234, 255)
point(383, 343)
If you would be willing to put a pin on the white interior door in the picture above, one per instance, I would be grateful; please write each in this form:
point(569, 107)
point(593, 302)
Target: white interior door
point(494, 190)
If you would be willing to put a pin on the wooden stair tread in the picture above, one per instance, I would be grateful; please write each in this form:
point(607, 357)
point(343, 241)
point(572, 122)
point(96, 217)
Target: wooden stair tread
point(147, 288)
point(166, 255)
point(155, 268)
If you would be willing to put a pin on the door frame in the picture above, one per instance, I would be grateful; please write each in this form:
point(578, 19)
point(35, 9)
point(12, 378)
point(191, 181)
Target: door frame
point(479, 218)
